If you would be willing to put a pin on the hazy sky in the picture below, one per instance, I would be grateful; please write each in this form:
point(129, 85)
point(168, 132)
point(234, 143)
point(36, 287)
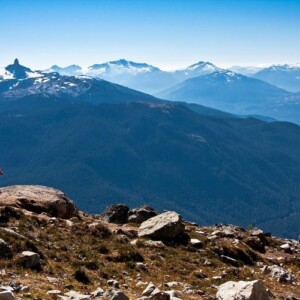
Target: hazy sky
point(169, 34)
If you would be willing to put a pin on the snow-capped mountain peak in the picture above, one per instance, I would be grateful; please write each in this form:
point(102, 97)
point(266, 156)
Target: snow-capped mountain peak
point(198, 69)
point(285, 76)
point(227, 76)
point(285, 67)
point(69, 70)
point(120, 67)
point(204, 66)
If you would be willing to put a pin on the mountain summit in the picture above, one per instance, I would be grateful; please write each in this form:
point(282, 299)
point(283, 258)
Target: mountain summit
point(17, 71)
point(120, 66)
point(284, 76)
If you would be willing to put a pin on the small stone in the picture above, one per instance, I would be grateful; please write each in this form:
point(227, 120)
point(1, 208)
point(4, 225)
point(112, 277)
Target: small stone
point(141, 283)
point(200, 274)
point(52, 279)
point(154, 244)
point(172, 284)
point(149, 289)
point(54, 293)
point(196, 243)
point(113, 294)
point(113, 283)
point(141, 266)
point(98, 292)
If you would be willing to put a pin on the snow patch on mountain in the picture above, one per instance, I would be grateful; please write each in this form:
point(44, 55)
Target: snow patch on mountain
point(5, 75)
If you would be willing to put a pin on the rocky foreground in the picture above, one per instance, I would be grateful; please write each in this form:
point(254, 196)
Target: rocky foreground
point(50, 250)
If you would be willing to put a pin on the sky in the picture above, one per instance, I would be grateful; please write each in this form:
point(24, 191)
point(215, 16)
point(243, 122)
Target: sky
point(170, 34)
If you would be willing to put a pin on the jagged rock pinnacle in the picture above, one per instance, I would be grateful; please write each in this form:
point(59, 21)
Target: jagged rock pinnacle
point(16, 62)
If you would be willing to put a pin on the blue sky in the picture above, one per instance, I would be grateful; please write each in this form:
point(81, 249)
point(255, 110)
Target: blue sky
point(169, 34)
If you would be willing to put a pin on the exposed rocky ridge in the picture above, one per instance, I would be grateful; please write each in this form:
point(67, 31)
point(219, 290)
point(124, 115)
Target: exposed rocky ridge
point(86, 258)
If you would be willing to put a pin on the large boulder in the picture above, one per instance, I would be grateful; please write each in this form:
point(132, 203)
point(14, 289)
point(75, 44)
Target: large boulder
point(141, 214)
point(242, 290)
point(165, 226)
point(38, 199)
point(116, 213)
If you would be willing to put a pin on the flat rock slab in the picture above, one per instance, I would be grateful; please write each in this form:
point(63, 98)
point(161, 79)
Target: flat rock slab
point(38, 199)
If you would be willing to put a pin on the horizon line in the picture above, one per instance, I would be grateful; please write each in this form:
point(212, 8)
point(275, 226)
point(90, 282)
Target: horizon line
point(166, 69)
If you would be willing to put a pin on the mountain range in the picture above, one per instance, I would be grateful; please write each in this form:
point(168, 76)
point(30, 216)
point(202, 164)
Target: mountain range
point(151, 79)
point(102, 143)
point(19, 82)
point(283, 76)
point(239, 94)
point(201, 83)
point(139, 76)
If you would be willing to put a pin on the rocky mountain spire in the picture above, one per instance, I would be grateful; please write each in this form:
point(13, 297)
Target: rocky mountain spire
point(19, 71)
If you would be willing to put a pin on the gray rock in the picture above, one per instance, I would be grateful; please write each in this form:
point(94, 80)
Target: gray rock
point(141, 266)
point(151, 292)
point(113, 283)
point(149, 289)
point(73, 295)
point(242, 290)
point(98, 293)
point(282, 275)
point(286, 248)
point(256, 244)
point(167, 225)
point(5, 251)
point(116, 213)
point(200, 274)
point(172, 284)
point(113, 294)
point(29, 260)
point(7, 295)
point(230, 260)
point(141, 214)
point(54, 293)
point(174, 295)
point(52, 279)
point(227, 232)
point(154, 244)
point(259, 233)
point(196, 243)
point(159, 295)
point(38, 199)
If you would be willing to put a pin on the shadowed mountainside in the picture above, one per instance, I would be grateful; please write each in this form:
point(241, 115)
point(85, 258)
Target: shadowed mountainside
point(211, 169)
